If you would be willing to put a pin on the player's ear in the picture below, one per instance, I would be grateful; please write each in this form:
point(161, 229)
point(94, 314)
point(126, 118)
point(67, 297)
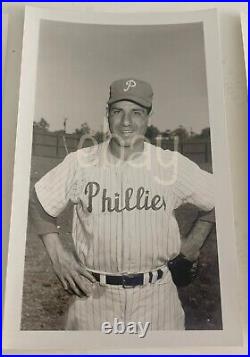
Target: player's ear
point(106, 129)
point(149, 115)
point(107, 110)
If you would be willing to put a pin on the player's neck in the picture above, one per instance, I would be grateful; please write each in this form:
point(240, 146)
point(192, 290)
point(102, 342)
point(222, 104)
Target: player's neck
point(126, 152)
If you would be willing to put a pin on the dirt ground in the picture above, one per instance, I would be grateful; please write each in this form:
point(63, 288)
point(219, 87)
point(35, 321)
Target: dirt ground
point(45, 303)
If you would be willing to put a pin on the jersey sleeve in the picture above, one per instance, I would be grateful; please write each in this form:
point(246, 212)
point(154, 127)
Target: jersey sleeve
point(54, 190)
point(194, 185)
point(41, 220)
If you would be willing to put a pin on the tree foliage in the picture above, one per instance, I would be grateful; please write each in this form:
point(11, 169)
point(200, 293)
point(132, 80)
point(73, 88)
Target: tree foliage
point(83, 130)
point(205, 133)
point(41, 126)
point(152, 132)
point(99, 136)
point(181, 132)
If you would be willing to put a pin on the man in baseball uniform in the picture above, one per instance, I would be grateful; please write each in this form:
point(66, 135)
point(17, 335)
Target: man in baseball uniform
point(127, 241)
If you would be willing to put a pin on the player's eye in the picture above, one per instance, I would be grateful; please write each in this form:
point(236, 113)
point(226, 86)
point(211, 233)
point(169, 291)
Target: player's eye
point(138, 113)
point(115, 111)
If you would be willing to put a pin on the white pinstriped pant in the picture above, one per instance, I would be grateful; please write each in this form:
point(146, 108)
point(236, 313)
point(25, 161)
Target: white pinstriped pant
point(156, 303)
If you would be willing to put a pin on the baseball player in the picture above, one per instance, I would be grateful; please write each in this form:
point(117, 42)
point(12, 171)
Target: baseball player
point(129, 257)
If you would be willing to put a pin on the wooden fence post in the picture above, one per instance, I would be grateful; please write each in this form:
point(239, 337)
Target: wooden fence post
point(181, 147)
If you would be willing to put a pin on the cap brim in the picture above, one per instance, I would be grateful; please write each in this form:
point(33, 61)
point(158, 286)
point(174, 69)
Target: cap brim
point(131, 98)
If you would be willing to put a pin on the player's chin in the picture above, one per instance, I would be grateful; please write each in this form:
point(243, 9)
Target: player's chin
point(126, 140)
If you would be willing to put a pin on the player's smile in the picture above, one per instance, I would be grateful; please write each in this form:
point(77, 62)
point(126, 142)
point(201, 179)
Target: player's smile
point(126, 132)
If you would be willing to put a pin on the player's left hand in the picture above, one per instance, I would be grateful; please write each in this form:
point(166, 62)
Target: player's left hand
point(183, 270)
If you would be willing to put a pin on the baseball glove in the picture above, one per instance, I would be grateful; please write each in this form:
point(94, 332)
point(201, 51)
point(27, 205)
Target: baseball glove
point(183, 271)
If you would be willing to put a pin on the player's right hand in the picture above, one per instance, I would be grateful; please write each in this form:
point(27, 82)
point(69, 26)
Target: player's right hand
point(73, 276)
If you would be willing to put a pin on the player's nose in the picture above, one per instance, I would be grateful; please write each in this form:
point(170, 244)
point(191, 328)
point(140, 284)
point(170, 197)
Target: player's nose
point(126, 119)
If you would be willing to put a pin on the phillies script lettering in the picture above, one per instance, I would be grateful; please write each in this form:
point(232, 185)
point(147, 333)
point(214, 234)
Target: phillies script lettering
point(140, 197)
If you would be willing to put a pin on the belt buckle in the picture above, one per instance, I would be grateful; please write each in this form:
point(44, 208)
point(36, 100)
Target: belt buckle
point(125, 279)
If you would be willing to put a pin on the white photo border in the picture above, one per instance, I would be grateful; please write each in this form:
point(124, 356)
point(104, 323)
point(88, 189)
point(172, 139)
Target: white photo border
point(84, 341)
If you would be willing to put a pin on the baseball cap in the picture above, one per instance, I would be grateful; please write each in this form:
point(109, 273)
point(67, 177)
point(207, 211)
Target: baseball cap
point(133, 90)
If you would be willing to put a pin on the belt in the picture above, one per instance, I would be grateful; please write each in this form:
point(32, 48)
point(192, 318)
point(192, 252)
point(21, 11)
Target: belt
point(130, 280)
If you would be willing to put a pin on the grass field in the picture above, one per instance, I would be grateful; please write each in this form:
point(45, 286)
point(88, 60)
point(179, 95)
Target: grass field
point(45, 302)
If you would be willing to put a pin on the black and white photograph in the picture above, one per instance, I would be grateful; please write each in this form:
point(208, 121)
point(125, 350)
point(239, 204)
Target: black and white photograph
point(135, 220)
point(121, 230)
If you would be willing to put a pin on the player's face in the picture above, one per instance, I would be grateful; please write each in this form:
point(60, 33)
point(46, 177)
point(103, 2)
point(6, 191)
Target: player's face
point(127, 122)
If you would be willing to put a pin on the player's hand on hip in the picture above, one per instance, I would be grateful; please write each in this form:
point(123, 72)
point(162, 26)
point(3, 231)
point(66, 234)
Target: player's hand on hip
point(73, 276)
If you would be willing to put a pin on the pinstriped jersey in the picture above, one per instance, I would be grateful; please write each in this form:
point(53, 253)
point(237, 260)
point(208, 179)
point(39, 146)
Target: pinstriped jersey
point(123, 213)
